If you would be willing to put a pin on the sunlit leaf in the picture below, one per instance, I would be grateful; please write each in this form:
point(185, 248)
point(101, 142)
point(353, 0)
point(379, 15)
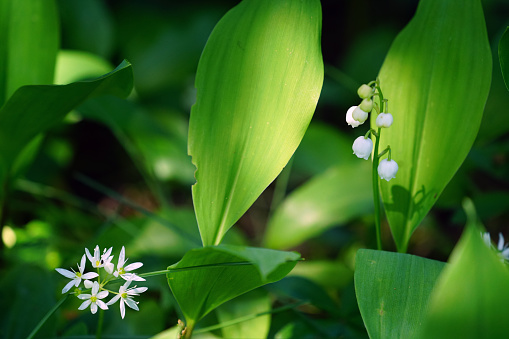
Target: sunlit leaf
point(258, 82)
point(471, 298)
point(393, 291)
point(78, 65)
point(29, 36)
point(329, 199)
point(503, 55)
point(33, 109)
point(437, 77)
point(207, 277)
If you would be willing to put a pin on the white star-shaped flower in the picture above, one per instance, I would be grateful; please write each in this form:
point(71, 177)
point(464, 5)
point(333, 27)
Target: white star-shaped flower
point(126, 297)
point(76, 276)
point(99, 260)
point(122, 271)
point(93, 299)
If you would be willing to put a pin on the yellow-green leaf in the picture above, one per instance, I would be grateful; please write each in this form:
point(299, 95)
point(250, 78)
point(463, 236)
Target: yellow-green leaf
point(437, 77)
point(258, 82)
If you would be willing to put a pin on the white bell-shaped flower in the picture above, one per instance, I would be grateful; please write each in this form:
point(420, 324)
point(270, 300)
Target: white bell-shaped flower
point(362, 147)
point(365, 91)
point(384, 120)
point(359, 115)
point(349, 118)
point(387, 169)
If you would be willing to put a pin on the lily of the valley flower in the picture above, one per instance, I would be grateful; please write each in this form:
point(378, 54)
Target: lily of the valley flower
point(126, 297)
point(362, 147)
point(122, 271)
point(387, 169)
point(365, 91)
point(93, 299)
point(349, 118)
point(359, 114)
point(384, 120)
point(76, 276)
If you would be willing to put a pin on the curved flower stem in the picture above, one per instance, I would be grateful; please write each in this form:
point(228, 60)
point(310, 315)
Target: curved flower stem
point(46, 317)
point(376, 159)
point(100, 321)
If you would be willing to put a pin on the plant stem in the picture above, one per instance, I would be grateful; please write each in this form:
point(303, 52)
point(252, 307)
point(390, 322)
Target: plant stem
point(100, 321)
point(46, 317)
point(376, 197)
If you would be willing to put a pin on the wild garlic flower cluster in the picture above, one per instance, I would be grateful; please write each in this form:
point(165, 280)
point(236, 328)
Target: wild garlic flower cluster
point(357, 115)
point(95, 290)
point(502, 248)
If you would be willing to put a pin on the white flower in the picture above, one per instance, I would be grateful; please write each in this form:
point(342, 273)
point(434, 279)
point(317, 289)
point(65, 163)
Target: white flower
point(93, 299)
point(126, 297)
point(359, 115)
point(384, 120)
point(362, 147)
point(122, 271)
point(502, 248)
point(387, 169)
point(366, 105)
point(365, 91)
point(349, 118)
point(76, 276)
point(99, 260)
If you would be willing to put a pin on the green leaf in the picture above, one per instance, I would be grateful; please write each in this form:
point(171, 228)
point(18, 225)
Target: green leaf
point(251, 303)
point(207, 277)
point(29, 36)
point(437, 77)
point(33, 109)
point(258, 82)
point(78, 65)
point(329, 199)
point(393, 291)
point(503, 55)
point(471, 298)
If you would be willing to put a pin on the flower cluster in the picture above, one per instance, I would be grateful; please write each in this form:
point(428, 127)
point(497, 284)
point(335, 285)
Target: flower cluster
point(357, 115)
point(502, 248)
point(97, 287)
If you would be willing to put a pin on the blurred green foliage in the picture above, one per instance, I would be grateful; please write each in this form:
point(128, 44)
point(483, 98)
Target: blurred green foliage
point(137, 148)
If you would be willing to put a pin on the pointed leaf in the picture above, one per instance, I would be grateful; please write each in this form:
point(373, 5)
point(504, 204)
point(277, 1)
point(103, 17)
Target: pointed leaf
point(393, 291)
point(503, 55)
point(29, 36)
point(258, 82)
point(207, 277)
point(329, 199)
point(33, 109)
point(471, 298)
point(437, 77)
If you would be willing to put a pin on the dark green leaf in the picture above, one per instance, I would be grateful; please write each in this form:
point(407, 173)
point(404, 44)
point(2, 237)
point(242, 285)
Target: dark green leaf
point(207, 277)
point(503, 55)
point(393, 291)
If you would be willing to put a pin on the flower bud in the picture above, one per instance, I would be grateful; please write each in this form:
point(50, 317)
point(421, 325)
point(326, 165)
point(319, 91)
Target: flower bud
point(349, 118)
point(366, 105)
point(365, 91)
point(359, 114)
point(384, 120)
point(362, 147)
point(387, 169)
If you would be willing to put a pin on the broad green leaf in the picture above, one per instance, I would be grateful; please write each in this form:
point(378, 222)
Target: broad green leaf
point(251, 303)
point(393, 291)
point(207, 277)
point(436, 77)
point(33, 109)
point(258, 82)
point(29, 36)
point(471, 297)
point(329, 199)
point(503, 55)
point(78, 65)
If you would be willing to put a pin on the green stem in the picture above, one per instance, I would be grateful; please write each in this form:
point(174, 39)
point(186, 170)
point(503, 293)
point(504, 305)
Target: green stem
point(46, 317)
point(376, 197)
point(100, 322)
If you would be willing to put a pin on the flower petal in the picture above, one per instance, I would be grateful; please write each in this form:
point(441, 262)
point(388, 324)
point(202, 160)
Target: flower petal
point(82, 265)
point(95, 288)
point(113, 300)
point(89, 256)
point(121, 258)
point(93, 308)
point(89, 275)
point(133, 266)
point(132, 304)
point(66, 273)
point(102, 294)
point(84, 304)
point(122, 308)
point(84, 296)
point(137, 290)
point(101, 304)
point(68, 286)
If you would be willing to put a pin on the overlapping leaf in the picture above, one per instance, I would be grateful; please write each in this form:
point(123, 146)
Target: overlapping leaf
point(437, 77)
point(503, 55)
point(258, 83)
